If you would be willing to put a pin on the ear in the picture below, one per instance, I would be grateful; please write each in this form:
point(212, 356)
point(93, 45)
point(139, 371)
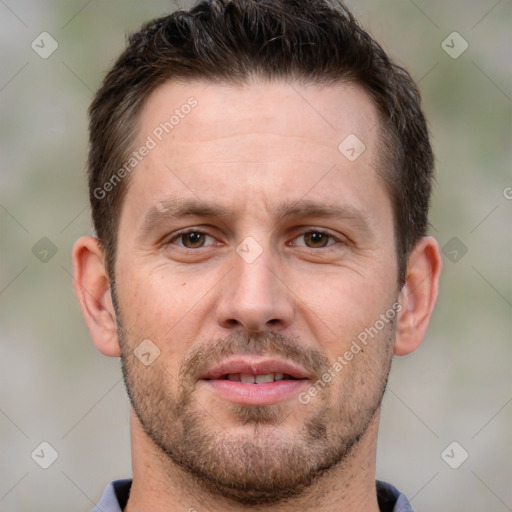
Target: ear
point(92, 287)
point(418, 295)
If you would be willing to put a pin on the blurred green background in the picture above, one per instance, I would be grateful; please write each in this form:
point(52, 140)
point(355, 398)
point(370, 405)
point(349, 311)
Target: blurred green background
point(55, 387)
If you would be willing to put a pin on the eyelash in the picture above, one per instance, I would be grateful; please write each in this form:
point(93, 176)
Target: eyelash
point(331, 238)
point(180, 235)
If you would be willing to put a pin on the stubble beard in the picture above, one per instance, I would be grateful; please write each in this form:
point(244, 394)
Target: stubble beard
point(261, 464)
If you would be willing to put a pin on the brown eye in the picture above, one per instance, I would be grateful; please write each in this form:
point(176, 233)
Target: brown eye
point(193, 240)
point(316, 239)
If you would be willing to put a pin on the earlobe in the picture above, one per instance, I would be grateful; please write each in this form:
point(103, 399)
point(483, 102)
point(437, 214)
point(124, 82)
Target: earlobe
point(92, 287)
point(418, 296)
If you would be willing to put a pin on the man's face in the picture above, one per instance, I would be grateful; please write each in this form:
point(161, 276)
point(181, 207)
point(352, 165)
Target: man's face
point(251, 248)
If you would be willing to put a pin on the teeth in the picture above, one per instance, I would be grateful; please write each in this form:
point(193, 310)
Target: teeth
point(269, 377)
point(255, 379)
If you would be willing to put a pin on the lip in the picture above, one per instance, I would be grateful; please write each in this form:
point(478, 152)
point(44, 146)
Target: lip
point(255, 366)
point(267, 393)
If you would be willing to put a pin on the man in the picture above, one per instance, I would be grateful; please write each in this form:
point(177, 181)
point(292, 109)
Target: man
point(260, 176)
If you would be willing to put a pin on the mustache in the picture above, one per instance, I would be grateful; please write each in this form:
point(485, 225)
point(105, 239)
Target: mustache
point(204, 356)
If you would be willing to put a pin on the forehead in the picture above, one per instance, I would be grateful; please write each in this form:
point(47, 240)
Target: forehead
point(288, 109)
point(271, 142)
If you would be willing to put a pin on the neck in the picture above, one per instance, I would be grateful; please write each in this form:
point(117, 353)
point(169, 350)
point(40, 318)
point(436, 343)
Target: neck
point(160, 485)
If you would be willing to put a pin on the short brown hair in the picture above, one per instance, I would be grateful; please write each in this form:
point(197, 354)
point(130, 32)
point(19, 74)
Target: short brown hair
point(309, 41)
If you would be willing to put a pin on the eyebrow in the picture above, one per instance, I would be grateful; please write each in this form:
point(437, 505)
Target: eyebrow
point(180, 208)
point(173, 209)
point(305, 208)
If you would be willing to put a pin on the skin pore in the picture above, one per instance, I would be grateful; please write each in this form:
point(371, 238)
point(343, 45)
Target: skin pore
point(247, 237)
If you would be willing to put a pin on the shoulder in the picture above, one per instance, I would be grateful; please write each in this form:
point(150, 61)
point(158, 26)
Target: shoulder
point(115, 496)
point(390, 499)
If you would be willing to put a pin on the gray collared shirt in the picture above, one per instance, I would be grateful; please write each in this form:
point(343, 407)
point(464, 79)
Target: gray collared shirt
point(116, 494)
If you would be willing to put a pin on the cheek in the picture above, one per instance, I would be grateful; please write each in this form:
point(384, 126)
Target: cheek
point(343, 306)
point(156, 308)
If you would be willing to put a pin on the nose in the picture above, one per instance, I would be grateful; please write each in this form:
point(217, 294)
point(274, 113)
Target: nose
point(254, 297)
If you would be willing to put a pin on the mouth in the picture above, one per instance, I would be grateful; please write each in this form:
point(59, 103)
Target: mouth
point(255, 381)
point(249, 378)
